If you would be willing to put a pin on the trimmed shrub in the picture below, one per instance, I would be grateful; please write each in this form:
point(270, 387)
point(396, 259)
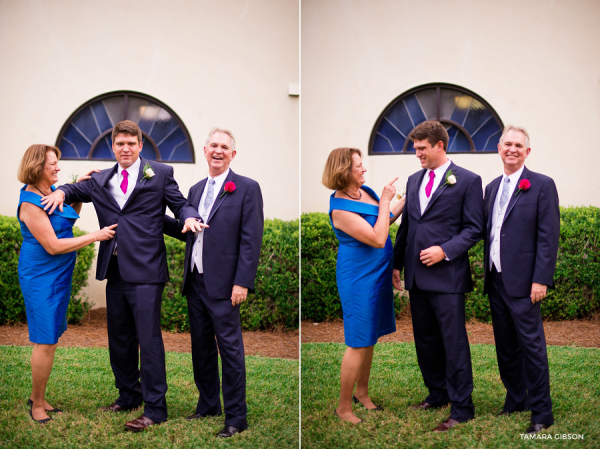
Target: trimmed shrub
point(12, 307)
point(577, 275)
point(274, 305)
point(320, 298)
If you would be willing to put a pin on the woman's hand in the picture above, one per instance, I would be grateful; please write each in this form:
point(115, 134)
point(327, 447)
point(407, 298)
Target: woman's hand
point(389, 191)
point(105, 233)
point(87, 176)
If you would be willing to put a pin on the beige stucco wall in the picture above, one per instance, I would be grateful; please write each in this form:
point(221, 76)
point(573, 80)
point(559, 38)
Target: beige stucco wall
point(535, 62)
point(224, 63)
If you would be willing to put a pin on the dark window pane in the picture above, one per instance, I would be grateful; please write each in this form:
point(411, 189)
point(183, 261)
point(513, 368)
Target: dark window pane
point(392, 139)
point(458, 143)
point(103, 150)
point(73, 136)
point(414, 109)
point(101, 116)
point(86, 125)
point(182, 152)
point(399, 118)
point(169, 143)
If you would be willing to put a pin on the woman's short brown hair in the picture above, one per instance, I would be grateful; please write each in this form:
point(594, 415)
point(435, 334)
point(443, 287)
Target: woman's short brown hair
point(338, 168)
point(32, 164)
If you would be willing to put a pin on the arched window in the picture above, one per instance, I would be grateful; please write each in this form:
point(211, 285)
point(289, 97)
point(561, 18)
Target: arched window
point(87, 133)
point(472, 124)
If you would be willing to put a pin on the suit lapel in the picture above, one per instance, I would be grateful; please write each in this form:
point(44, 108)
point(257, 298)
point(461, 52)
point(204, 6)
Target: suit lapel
point(221, 197)
point(490, 206)
point(516, 196)
point(416, 189)
point(103, 181)
point(195, 200)
point(441, 187)
point(139, 183)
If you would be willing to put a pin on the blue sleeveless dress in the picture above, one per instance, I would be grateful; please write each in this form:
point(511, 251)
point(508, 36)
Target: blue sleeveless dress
point(364, 279)
point(45, 279)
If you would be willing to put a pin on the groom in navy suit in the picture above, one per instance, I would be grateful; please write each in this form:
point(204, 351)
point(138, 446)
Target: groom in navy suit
point(521, 246)
point(134, 194)
point(219, 271)
point(441, 221)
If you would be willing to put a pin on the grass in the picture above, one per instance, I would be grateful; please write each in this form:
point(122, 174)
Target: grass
point(396, 383)
point(82, 381)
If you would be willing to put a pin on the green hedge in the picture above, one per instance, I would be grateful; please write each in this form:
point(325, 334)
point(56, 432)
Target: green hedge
point(12, 307)
point(577, 276)
point(320, 299)
point(274, 305)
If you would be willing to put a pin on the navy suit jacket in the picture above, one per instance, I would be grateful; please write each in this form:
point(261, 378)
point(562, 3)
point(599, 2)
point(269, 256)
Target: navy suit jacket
point(141, 245)
point(453, 220)
point(233, 239)
point(529, 234)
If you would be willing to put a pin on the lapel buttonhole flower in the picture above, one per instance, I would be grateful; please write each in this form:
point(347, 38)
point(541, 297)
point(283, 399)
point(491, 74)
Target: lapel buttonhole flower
point(450, 178)
point(229, 188)
point(148, 172)
point(524, 185)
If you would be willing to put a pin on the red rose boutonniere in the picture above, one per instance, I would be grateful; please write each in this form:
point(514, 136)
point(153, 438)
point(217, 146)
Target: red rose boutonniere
point(229, 188)
point(523, 185)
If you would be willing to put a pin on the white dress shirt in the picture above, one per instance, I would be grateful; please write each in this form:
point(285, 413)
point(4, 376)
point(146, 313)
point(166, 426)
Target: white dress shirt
point(439, 175)
point(114, 183)
point(498, 217)
point(204, 214)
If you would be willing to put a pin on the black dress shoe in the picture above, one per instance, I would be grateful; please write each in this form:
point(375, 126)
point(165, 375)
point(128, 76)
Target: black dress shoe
point(335, 414)
point(114, 407)
point(535, 427)
point(229, 431)
point(41, 421)
point(54, 410)
point(376, 409)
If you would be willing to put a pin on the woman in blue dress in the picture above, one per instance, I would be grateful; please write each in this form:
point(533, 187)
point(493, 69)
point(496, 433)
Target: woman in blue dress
point(361, 222)
point(46, 265)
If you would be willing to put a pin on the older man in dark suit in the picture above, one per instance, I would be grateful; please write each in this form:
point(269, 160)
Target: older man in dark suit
point(521, 246)
point(134, 193)
point(219, 271)
point(442, 219)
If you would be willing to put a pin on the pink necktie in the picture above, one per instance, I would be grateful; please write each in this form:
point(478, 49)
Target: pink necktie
point(124, 182)
point(429, 185)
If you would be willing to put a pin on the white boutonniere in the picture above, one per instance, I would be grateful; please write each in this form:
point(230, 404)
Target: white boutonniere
point(450, 178)
point(148, 172)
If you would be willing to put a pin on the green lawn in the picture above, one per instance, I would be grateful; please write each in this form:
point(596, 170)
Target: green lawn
point(82, 381)
point(396, 383)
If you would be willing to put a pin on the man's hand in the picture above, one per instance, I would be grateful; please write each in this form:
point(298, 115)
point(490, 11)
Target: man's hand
point(238, 295)
point(396, 280)
point(538, 292)
point(56, 198)
point(191, 224)
point(432, 255)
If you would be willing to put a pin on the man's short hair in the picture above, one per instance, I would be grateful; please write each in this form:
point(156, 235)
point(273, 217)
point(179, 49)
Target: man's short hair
point(338, 168)
point(127, 127)
point(508, 128)
point(215, 130)
point(433, 131)
point(32, 164)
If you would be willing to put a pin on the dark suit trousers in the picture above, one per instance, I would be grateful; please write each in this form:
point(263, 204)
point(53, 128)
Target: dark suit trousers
point(443, 350)
point(521, 351)
point(133, 316)
point(210, 318)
